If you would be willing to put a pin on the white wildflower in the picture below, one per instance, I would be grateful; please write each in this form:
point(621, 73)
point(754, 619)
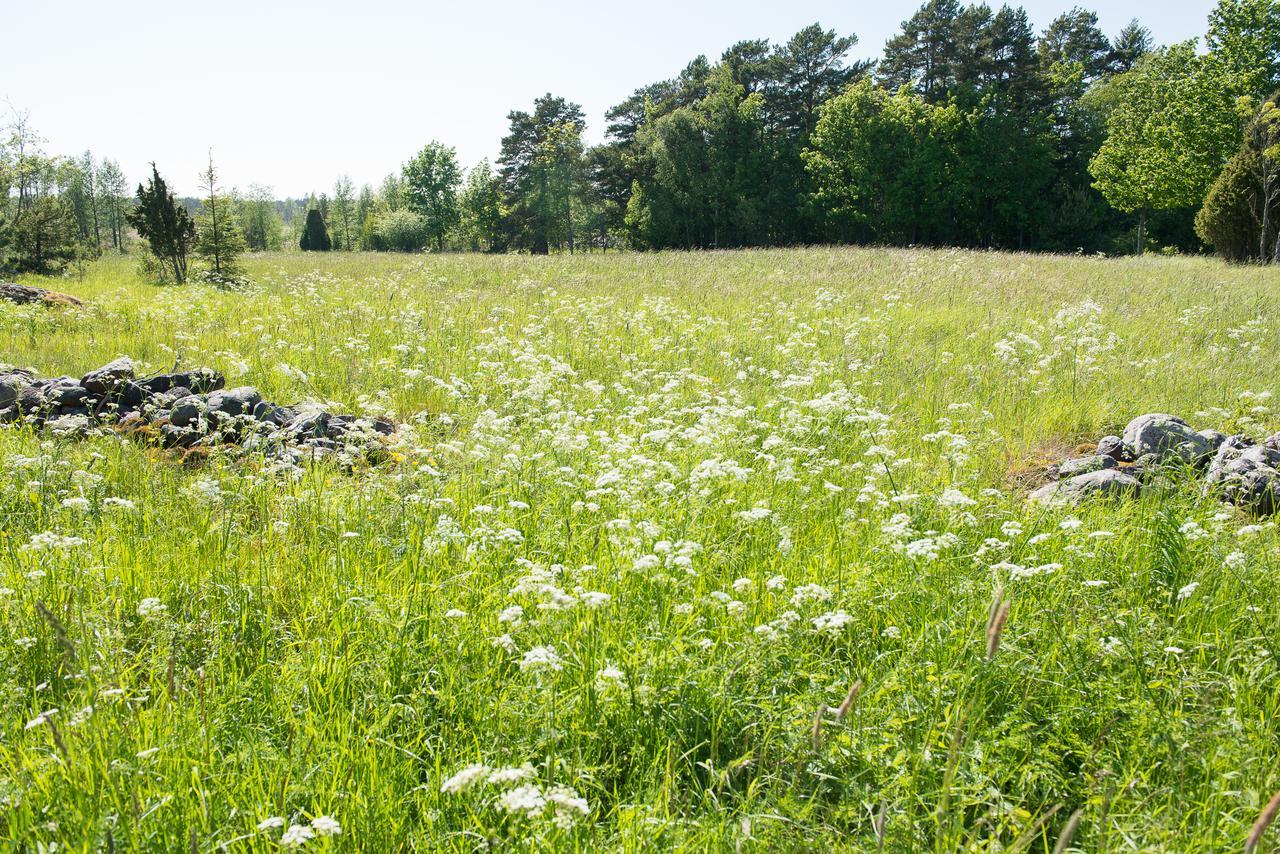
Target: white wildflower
point(526, 799)
point(831, 623)
point(541, 658)
point(465, 779)
point(296, 836)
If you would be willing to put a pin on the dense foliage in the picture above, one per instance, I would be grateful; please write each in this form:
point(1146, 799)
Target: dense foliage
point(971, 129)
point(1241, 214)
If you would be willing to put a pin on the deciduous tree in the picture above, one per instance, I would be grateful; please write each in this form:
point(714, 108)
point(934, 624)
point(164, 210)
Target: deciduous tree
point(431, 180)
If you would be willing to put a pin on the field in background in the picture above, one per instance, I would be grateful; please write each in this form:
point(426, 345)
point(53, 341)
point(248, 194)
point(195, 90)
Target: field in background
point(648, 516)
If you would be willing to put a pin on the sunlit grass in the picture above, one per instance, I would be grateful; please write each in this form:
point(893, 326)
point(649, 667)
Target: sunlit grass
point(699, 438)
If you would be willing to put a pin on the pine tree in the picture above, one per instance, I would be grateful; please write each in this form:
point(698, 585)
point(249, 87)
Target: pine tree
point(219, 240)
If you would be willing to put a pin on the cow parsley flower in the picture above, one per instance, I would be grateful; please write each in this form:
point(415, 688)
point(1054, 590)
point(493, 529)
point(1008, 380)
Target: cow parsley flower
point(507, 776)
point(541, 658)
point(806, 593)
point(527, 800)
point(46, 541)
point(831, 623)
point(465, 779)
point(326, 825)
point(954, 498)
point(296, 836)
point(594, 599)
point(568, 806)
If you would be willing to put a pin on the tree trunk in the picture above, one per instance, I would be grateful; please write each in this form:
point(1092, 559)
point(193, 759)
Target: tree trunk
point(568, 220)
point(1142, 231)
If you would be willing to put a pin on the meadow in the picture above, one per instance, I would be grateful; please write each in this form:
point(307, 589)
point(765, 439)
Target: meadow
point(672, 551)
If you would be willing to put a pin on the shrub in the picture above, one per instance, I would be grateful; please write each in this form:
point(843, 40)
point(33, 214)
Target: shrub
point(1231, 219)
point(401, 230)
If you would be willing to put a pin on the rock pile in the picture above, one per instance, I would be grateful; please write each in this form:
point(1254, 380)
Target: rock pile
point(184, 409)
point(1238, 469)
point(23, 294)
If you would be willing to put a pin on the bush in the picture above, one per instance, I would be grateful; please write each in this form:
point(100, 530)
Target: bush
point(1236, 209)
point(401, 230)
point(154, 269)
point(1231, 219)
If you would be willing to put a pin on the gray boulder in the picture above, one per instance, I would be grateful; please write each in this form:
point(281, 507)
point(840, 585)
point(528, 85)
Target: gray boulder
point(1166, 436)
point(308, 424)
point(131, 396)
point(187, 411)
point(22, 294)
point(236, 401)
point(269, 413)
point(1111, 446)
point(30, 398)
point(1239, 442)
point(109, 377)
point(71, 425)
point(1084, 465)
point(177, 437)
point(201, 381)
point(1247, 477)
point(1105, 482)
point(10, 385)
point(1214, 437)
point(66, 395)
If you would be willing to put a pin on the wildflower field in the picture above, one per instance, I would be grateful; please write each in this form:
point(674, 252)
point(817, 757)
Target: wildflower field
point(726, 551)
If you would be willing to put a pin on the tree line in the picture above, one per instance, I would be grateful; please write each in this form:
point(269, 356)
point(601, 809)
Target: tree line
point(971, 129)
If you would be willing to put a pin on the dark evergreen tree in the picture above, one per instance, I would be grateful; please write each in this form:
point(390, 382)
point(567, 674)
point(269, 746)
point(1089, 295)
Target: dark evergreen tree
point(805, 72)
point(1132, 43)
point(749, 64)
point(924, 55)
point(165, 224)
point(1074, 37)
point(315, 236)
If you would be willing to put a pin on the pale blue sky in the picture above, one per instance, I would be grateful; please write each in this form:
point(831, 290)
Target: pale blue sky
point(291, 94)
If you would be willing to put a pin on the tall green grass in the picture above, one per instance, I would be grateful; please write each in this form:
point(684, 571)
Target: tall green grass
point(728, 446)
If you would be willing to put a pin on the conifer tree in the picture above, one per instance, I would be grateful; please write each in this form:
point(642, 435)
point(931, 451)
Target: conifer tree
point(315, 237)
point(164, 224)
point(219, 240)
